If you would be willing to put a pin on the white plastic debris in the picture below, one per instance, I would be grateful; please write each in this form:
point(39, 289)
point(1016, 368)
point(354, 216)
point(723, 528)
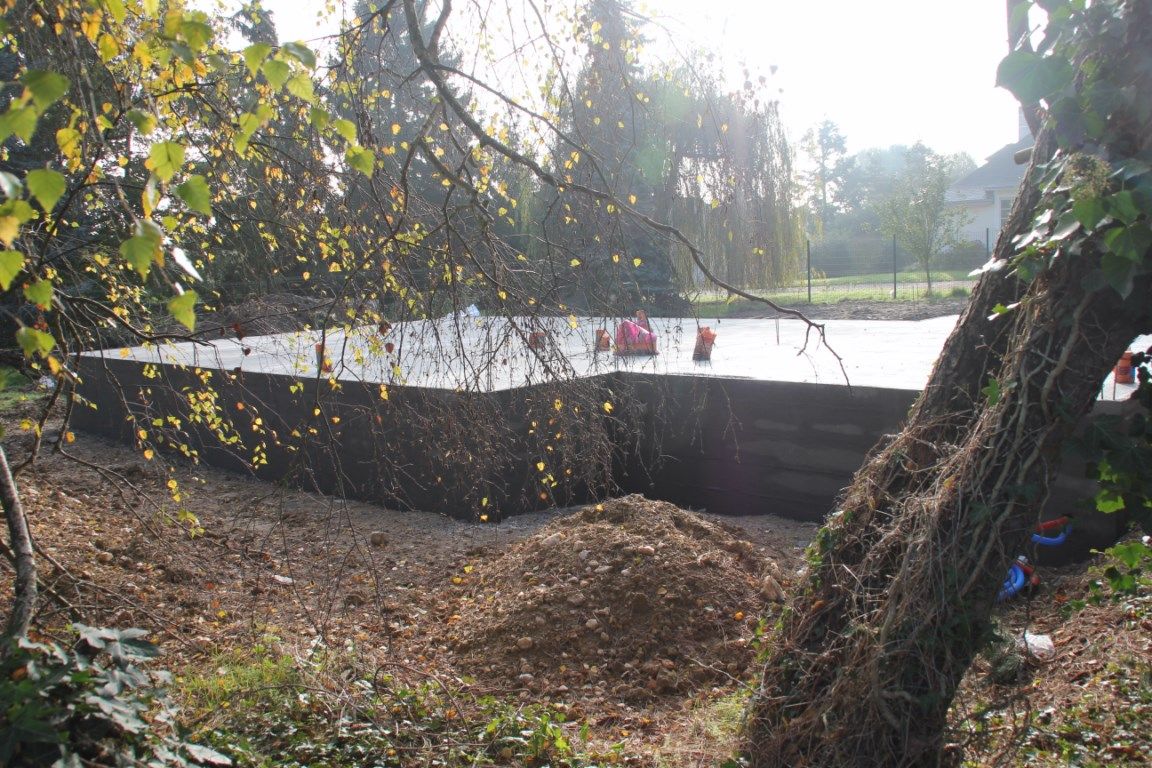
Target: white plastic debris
point(1037, 646)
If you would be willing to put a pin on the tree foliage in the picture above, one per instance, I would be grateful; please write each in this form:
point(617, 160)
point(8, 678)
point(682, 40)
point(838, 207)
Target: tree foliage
point(916, 211)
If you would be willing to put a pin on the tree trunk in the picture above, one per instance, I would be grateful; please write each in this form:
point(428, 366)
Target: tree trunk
point(24, 586)
point(864, 666)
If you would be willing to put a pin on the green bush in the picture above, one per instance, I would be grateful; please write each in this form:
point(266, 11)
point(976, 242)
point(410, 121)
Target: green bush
point(90, 705)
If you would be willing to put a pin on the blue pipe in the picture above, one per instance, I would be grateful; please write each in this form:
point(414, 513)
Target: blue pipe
point(1051, 541)
point(1013, 584)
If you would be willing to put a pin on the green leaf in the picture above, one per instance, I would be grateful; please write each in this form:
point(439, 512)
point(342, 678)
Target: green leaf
point(1089, 211)
point(1131, 242)
point(165, 158)
point(39, 293)
point(13, 214)
point(47, 186)
point(276, 72)
point(346, 128)
point(35, 342)
point(143, 248)
point(1123, 206)
point(11, 262)
point(301, 87)
point(301, 53)
point(1065, 227)
point(196, 33)
point(183, 309)
point(18, 121)
point(254, 56)
point(1032, 77)
point(992, 392)
point(116, 10)
point(361, 159)
point(46, 87)
point(144, 122)
point(195, 193)
point(1119, 272)
point(319, 118)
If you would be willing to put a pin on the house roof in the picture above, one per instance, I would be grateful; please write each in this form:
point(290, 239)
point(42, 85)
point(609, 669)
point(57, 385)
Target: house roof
point(999, 170)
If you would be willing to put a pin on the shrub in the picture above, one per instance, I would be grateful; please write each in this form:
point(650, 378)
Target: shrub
point(91, 705)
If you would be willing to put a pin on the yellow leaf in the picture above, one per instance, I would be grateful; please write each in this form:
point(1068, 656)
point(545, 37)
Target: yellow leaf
point(607, 407)
point(574, 263)
point(632, 199)
point(636, 262)
point(148, 454)
point(540, 466)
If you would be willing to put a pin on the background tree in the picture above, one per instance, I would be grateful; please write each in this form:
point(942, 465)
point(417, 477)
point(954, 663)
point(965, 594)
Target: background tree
point(902, 580)
point(825, 147)
point(916, 211)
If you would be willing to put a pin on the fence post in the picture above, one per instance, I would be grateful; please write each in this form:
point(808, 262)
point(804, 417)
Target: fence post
point(808, 248)
point(893, 267)
point(987, 242)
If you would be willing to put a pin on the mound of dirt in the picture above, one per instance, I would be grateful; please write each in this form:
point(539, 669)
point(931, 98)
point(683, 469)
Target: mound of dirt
point(631, 598)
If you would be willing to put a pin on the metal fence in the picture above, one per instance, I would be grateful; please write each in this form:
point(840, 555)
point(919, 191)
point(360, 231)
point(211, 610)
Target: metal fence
point(878, 268)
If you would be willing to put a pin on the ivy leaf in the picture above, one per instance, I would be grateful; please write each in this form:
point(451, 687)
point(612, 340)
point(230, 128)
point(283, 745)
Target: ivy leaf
point(165, 158)
point(1131, 242)
point(39, 293)
point(35, 342)
point(1067, 225)
point(254, 55)
point(47, 186)
point(361, 159)
point(195, 193)
point(991, 392)
point(183, 309)
point(301, 53)
point(11, 262)
point(1118, 271)
point(45, 87)
point(1123, 206)
point(1032, 77)
point(206, 755)
point(276, 72)
point(1089, 211)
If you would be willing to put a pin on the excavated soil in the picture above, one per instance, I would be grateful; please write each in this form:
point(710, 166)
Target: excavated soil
point(630, 600)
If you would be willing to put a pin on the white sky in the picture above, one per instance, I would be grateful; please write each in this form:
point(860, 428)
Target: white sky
point(887, 71)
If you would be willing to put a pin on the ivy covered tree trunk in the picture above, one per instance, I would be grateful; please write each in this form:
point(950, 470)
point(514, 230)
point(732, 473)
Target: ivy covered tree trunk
point(863, 668)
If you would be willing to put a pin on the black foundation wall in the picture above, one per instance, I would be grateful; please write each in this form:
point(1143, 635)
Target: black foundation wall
point(729, 446)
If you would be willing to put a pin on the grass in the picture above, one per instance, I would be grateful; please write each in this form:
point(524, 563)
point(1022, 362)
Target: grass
point(709, 304)
point(16, 390)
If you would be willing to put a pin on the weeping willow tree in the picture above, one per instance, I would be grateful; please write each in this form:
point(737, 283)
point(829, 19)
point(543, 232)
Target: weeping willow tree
point(862, 669)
